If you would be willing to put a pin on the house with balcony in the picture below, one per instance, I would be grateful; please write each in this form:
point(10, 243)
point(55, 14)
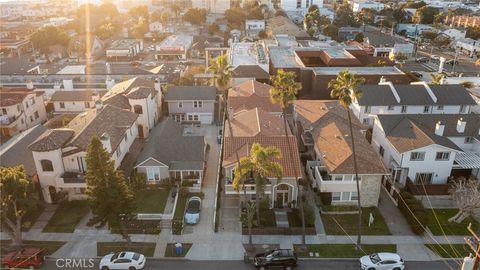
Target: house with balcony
point(252, 94)
point(59, 154)
point(20, 109)
point(191, 104)
point(172, 152)
point(428, 149)
point(258, 126)
point(323, 129)
point(75, 101)
point(387, 98)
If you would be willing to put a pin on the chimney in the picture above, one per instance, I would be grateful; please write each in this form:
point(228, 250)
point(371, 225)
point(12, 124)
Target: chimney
point(230, 113)
point(461, 123)
point(98, 105)
point(110, 83)
point(68, 85)
point(105, 139)
point(30, 85)
point(158, 88)
point(439, 128)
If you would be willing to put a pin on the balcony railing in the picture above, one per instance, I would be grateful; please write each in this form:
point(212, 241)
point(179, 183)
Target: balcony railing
point(8, 120)
point(73, 177)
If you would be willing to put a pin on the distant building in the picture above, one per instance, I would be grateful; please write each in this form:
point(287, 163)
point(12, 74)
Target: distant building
point(253, 27)
point(174, 47)
point(358, 5)
point(455, 34)
point(281, 25)
point(380, 44)
point(74, 101)
point(413, 30)
point(212, 6)
point(293, 5)
point(85, 47)
point(124, 49)
point(468, 46)
point(462, 21)
point(249, 54)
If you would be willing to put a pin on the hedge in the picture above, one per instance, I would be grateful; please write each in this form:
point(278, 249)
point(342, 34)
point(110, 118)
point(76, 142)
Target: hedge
point(410, 203)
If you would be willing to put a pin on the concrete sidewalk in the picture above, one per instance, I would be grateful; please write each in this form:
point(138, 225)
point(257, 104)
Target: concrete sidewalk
point(44, 217)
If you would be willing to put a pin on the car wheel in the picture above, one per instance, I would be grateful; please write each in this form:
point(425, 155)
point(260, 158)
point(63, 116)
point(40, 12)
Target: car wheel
point(397, 268)
point(371, 268)
point(105, 268)
point(132, 268)
point(31, 267)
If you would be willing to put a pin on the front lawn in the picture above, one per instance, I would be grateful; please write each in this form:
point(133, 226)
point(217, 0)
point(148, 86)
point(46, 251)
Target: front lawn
point(450, 228)
point(447, 251)
point(152, 200)
point(170, 251)
point(349, 223)
point(344, 250)
point(49, 246)
point(104, 248)
point(295, 218)
point(267, 217)
point(67, 216)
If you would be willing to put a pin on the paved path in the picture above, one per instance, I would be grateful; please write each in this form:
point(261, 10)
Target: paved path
point(281, 219)
point(46, 215)
point(393, 217)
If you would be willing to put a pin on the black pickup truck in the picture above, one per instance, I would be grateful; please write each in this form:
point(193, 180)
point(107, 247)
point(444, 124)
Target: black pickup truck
point(276, 258)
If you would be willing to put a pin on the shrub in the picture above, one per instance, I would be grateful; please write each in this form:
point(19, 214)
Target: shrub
point(138, 181)
point(412, 209)
point(326, 198)
point(167, 183)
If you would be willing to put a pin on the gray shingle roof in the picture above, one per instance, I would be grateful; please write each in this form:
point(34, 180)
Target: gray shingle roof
point(77, 95)
point(410, 94)
point(52, 139)
point(168, 145)
point(191, 93)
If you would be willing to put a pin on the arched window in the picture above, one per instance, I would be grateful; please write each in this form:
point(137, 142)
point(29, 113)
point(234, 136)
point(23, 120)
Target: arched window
point(138, 109)
point(47, 165)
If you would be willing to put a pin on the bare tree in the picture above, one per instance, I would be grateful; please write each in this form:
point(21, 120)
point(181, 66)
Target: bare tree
point(466, 195)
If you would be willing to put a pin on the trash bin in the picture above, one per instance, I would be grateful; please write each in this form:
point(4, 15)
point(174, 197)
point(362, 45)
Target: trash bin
point(178, 249)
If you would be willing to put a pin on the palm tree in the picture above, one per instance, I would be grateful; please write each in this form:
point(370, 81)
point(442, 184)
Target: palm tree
point(437, 78)
point(284, 92)
point(261, 164)
point(222, 72)
point(345, 88)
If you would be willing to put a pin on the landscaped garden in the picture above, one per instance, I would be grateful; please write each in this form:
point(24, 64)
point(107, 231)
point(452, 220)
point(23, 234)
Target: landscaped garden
point(267, 217)
point(104, 248)
point(343, 250)
point(67, 216)
point(49, 246)
point(450, 251)
point(349, 223)
point(152, 200)
point(170, 250)
point(449, 228)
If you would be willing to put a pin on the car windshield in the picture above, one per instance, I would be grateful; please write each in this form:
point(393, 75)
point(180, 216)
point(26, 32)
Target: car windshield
point(193, 207)
point(114, 257)
point(374, 258)
point(136, 256)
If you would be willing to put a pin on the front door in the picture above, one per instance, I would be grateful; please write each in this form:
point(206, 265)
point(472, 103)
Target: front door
point(281, 199)
point(140, 131)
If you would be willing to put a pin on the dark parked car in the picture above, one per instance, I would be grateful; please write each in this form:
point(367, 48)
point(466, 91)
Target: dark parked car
point(417, 74)
point(277, 258)
point(421, 60)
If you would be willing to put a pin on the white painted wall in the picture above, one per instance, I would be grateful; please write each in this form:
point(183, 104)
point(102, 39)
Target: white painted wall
point(73, 106)
point(291, 5)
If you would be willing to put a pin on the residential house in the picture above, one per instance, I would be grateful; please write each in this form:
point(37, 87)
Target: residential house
point(171, 153)
point(74, 101)
point(468, 46)
point(59, 154)
point(323, 129)
point(295, 5)
point(83, 47)
point(124, 49)
point(253, 27)
point(462, 21)
point(385, 45)
point(358, 5)
point(258, 126)
point(426, 149)
point(191, 103)
point(250, 95)
point(281, 25)
point(244, 73)
point(174, 47)
point(415, 98)
point(20, 109)
point(200, 43)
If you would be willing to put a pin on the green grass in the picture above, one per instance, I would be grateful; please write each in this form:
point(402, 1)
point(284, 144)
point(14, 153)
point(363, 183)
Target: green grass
point(152, 200)
point(447, 251)
point(267, 217)
point(344, 250)
point(450, 228)
point(339, 208)
point(67, 216)
point(104, 248)
point(170, 251)
point(180, 208)
point(349, 223)
point(295, 218)
point(49, 246)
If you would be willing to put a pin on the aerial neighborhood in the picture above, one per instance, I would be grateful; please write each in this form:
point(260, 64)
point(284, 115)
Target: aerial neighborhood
point(264, 133)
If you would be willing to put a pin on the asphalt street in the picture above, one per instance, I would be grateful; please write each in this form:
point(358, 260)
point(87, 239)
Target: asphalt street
point(165, 264)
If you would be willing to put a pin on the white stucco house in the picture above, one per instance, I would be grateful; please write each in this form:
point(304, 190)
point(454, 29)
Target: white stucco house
point(298, 5)
point(358, 5)
point(76, 101)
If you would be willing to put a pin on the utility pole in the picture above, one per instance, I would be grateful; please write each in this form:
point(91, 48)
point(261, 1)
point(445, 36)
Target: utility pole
point(474, 244)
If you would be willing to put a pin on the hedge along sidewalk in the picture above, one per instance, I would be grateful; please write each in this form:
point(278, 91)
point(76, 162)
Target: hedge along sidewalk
point(344, 250)
point(349, 223)
point(67, 216)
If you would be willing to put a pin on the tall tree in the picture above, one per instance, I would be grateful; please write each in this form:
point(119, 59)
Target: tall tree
point(48, 36)
point(345, 88)
point(109, 197)
point(222, 74)
point(466, 195)
point(196, 16)
point(139, 12)
point(17, 198)
point(260, 163)
point(284, 92)
point(175, 9)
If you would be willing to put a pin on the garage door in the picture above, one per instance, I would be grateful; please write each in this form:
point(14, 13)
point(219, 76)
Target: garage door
point(206, 118)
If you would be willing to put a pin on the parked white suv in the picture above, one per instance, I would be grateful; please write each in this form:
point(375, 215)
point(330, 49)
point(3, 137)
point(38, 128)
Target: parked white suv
point(125, 260)
point(382, 261)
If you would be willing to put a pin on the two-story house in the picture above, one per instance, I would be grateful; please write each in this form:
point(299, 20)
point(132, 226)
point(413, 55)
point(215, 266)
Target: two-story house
point(258, 126)
point(415, 98)
point(252, 94)
point(59, 154)
point(74, 101)
point(20, 109)
point(428, 148)
point(191, 103)
point(323, 129)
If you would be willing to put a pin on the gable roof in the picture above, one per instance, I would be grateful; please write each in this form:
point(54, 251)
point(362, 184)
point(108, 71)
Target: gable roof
point(128, 85)
point(409, 132)
point(250, 71)
point(52, 139)
point(12, 96)
point(77, 95)
point(415, 94)
point(252, 94)
point(329, 127)
point(168, 145)
point(191, 93)
point(256, 121)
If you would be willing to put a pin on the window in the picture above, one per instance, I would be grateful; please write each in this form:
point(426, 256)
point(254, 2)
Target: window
point(404, 109)
point(368, 109)
point(31, 118)
point(338, 178)
point(197, 104)
point(87, 104)
point(190, 117)
point(354, 196)
point(463, 108)
point(345, 196)
point(417, 156)
point(442, 156)
point(32, 100)
point(36, 115)
point(423, 178)
point(469, 140)
point(138, 109)
point(390, 107)
point(440, 107)
point(365, 121)
point(47, 165)
point(118, 152)
point(182, 117)
point(26, 104)
point(125, 137)
point(153, 174)
point(180, 104)
point(426, 109)
point(195, 117)
point(299, 3)
point(19, 108)
point(4, 111)
point(62, 105)
point(336, 196)
point(381, 151)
